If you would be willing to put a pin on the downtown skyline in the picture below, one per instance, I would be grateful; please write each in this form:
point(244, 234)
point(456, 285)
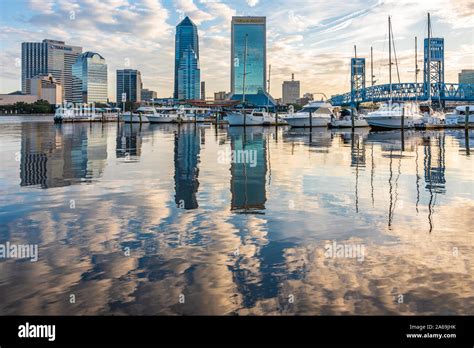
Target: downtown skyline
point(315, 45)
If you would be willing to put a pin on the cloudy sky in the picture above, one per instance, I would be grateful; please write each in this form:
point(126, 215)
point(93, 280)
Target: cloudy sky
point(312, 38)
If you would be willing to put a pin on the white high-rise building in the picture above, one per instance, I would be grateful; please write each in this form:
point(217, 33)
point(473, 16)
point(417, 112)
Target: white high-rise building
point(49, 57)
point(291, 91)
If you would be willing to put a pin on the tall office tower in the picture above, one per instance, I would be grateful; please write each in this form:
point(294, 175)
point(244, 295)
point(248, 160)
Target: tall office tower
point(249, 53)
point(89, 79)
point(203, 90)
point(129, 81)
point(186, 66)
point(188, 76)
point(49, 57)
point(291, 91)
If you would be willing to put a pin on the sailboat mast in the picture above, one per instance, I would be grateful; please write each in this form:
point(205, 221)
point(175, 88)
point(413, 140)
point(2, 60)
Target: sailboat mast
point(416, 60)
point(428, 72)
point(372, 65)
point(245, 70)
point(390, 55)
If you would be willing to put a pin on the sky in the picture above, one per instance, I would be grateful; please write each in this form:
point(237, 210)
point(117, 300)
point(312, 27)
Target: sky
point(313, 39)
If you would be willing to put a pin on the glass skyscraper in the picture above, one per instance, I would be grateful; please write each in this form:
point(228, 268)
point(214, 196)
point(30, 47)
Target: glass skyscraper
point(48, 57)
point(129, 81)
point(187, 77)
point(89, 79)
point(254, 28)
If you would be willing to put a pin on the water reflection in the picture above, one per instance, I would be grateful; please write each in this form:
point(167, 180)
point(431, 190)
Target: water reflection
point(248, 170)
point(186, 160)
point(61, 156)
point(129, 141)
point(241, 237)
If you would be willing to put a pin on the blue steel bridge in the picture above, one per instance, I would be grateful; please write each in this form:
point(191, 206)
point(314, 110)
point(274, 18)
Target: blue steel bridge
point(433, 84)
point(440, 92)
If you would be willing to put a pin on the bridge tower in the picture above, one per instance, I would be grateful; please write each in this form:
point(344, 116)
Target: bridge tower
point(357, 80)
point(433, 65)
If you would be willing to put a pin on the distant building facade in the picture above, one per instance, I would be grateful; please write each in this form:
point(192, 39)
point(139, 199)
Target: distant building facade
point(220, 95)
point(49, 57)
point(46, 87)
point(90, 79)
point(148, 94)
point(9, 99)
point(203, 90)
point(466, 76)
point(291, 91)
point(187, 74)
point(129, 81)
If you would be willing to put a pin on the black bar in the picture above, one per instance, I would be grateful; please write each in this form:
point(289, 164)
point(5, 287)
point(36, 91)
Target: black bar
point(224, 330)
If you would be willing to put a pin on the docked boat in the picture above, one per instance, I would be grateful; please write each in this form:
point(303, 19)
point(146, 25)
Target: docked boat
point(195, 114)
point(458, 116)
point(140, 116)
point(320, 112)
point(84, 114)
point(388, 117)
point(164, 115)
point(345, 120)
point(257, 117)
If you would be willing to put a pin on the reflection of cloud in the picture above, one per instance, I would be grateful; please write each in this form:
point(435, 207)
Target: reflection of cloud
point(225, 263)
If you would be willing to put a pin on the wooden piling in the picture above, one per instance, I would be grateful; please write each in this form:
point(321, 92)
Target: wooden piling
point(466, 118)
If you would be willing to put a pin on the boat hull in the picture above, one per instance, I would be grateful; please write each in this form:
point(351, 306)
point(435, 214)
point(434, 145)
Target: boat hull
point(237, 119)
point(348, 123)
point(300, 122)
point(390, 122)
point(134, 118)
point(163, 119)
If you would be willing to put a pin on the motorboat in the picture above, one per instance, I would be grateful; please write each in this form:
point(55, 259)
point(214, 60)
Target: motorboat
point(140, 116)
point(84, 114)
point(195, 114)
point(320, 112)
point(389, 116)
point(458, 116)
point(257, 117)
point(165, 115)
point(345, 120)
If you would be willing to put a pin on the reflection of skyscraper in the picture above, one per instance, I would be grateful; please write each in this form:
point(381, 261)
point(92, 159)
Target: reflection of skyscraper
point(248, 179)
point(128, 141)
point(186, 159)
point(187, 77)
point(55, 157)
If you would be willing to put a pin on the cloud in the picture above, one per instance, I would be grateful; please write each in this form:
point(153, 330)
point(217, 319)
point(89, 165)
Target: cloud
point(252, 3)
point(315, 45)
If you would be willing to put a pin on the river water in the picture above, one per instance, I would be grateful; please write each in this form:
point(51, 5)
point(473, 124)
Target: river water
point(190, 219)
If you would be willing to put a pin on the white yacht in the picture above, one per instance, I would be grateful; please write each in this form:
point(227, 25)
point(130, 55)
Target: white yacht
point(458, 116)
point(84, 114)
point(390, 116)
point(140, 116)
point(321, 114)
point(257, 117)
point(165, 115)
point(345, 120)
point(195, 114)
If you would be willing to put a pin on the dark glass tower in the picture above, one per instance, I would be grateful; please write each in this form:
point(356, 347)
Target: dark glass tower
point(186, 64)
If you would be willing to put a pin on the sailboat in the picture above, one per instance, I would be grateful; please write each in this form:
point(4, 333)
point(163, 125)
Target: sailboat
point(392, 116)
